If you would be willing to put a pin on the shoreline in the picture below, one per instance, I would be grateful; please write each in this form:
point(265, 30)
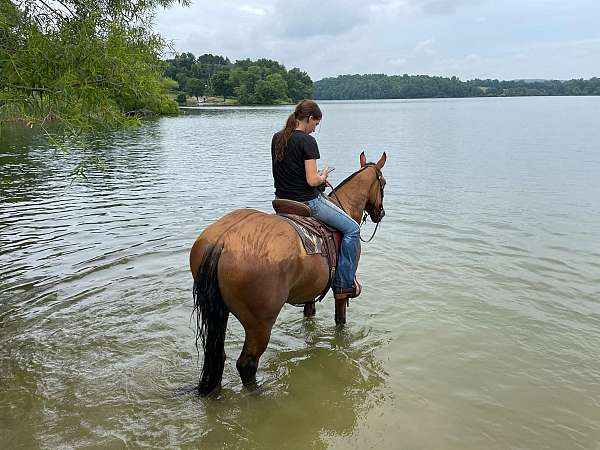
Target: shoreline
point(212, 105)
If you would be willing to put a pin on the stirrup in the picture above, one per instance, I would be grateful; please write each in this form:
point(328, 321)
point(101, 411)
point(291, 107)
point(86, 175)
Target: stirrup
point(346, 293)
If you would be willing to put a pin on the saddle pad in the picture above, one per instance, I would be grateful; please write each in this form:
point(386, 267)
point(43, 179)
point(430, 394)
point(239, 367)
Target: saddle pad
point(313, 243)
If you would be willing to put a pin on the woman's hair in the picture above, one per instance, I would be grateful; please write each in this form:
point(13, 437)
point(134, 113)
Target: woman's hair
point(303, 111)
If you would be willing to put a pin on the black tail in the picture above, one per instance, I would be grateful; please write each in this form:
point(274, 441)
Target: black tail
point(211, 320)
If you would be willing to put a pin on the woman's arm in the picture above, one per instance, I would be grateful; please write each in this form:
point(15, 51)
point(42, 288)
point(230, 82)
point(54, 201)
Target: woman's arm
point(312, 176)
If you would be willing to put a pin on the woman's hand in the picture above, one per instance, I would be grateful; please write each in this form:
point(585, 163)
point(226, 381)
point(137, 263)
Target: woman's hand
point(315, 178)
point(324, 174)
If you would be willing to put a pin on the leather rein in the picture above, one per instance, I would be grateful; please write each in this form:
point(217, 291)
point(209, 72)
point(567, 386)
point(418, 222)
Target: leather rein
point(365, 214)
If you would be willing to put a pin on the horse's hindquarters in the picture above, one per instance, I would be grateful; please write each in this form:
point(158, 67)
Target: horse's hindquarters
point(263, 262)
point(311, 279)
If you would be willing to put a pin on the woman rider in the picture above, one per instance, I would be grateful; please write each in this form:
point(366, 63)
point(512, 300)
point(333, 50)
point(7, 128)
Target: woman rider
point(294, 153)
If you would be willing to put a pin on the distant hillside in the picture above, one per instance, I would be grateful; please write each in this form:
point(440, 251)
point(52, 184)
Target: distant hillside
point(260, 82)
point(380, 86)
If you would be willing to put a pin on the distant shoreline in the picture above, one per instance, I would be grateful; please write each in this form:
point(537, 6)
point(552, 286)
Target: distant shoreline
point(211, 105)
point(381, 86)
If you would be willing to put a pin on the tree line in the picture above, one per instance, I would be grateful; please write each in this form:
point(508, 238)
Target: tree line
point(380, 86)
point(259, 82)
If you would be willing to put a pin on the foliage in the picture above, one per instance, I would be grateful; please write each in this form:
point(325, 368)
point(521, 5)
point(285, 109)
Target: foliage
point(299, 84)
point(221, 84)
point(195, 87)
point(379, 86)
point(272, 89)
point(538, 87)
point(181, 98)
point(384, 86)
point(85, 65)
point(263, 81)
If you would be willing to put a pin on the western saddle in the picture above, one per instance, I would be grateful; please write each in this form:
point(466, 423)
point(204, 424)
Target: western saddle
point(317, 237)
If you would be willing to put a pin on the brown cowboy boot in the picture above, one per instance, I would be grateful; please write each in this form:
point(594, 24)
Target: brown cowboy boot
point(346, 293)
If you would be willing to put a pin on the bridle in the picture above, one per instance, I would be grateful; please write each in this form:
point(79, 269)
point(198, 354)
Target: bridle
point(380, 211)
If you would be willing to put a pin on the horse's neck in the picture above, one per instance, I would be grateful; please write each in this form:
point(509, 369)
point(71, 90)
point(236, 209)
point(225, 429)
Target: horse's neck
point(352, 196)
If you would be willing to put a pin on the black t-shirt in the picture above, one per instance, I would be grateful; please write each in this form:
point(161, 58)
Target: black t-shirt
point(289, 174)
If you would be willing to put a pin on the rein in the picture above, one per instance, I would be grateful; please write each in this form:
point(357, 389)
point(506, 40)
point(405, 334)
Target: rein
point(374, 231)
point(364, 219)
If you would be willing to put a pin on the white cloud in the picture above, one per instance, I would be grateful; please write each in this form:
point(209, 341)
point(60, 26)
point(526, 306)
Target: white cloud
point(443, 7)
point(425, 47)
point(559, 60)
point(250, 9)
point(398, 62)
point(468, 38)
point(310, 18)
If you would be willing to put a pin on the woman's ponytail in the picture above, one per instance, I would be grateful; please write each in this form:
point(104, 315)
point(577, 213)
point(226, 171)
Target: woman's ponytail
point(284, 136)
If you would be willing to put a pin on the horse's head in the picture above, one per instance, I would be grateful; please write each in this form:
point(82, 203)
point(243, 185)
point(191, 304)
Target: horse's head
point(374, 204)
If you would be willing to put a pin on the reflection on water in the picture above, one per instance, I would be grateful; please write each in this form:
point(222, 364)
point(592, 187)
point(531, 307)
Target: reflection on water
point(21, 172)
point(306, 396)
point(478, 326)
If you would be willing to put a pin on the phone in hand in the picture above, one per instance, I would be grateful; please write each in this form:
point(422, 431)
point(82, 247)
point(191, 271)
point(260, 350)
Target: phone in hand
point(329, 170)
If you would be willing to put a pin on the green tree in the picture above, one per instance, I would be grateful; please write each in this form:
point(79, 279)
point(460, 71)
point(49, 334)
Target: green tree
point(195, 87)
point(299, 84)
point(271, 90)
point(181, 99)
point(85, 65)
point(421, 86)
point(221, 84)
point(181, 78)
point(252, 82)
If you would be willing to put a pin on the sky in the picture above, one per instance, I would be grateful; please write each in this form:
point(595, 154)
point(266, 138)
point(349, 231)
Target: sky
point(503, 39)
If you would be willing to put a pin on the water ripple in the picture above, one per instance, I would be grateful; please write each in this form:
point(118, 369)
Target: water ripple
point(477, 327)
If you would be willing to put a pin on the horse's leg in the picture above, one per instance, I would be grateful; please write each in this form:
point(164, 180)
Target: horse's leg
point(257, 339)
point(340, 311)
point(310, 309)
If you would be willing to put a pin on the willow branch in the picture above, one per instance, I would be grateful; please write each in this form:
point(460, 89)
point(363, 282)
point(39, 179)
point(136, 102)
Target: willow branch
point(52, 10)
point(67, 8)
point(30, 88)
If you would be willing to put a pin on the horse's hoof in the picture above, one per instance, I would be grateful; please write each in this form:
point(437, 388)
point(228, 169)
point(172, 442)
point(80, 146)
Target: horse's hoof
point(340, 321)
point(251, 387)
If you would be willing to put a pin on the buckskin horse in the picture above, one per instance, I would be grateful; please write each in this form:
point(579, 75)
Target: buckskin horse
point(251, 263)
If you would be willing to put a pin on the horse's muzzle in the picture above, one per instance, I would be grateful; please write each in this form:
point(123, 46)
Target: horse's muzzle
point(376, 218)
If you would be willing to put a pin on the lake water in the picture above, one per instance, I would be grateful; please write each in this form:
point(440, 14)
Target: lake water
point(478, 328)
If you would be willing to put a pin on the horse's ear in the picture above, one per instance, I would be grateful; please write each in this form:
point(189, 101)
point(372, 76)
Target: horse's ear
point(363, 159)
point(381, 161)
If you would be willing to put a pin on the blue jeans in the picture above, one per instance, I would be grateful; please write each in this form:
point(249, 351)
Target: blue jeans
point(327, 212)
